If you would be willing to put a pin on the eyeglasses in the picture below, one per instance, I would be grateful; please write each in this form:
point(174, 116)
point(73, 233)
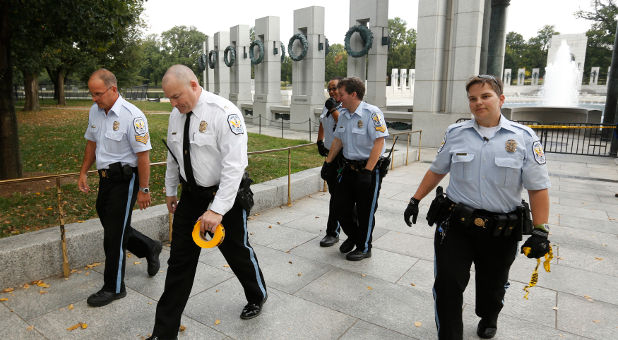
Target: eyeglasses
point(332, 89)
point(99, 94)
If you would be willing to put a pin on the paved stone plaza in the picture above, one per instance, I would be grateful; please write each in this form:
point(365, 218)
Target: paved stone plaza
point(314, 293)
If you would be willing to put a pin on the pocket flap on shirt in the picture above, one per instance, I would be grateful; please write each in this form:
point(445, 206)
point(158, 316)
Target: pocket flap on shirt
point(509, 162)
point(114, 135)
point(460, 157)
point(202, 139)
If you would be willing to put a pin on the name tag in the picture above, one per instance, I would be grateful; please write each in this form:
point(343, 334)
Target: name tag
point(461, 154)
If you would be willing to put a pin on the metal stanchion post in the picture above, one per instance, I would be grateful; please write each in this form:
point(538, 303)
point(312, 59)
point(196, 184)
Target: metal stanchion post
point(289, 177)
point(281, 126)
point(310, 129)
point(63, 240)
point(407, 148)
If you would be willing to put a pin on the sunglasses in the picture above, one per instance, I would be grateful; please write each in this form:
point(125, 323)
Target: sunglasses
point(486, 76)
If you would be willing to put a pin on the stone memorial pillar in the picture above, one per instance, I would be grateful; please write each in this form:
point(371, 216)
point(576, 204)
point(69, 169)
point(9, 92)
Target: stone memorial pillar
point(506, 78)
point(222, 72)
point(521, 76)
point(395, 79)
point(535, 77)
point(594, 75)
point(497, 37)
point(308, 66)
point(372, 66)
point(268, 71)
point(240, 69)
point(208, 74)
point(448, 53)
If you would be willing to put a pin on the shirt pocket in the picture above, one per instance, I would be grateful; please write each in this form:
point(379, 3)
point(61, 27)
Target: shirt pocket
point(114, 141)
point(205, 140)
point(461, 166)
point(508, 171)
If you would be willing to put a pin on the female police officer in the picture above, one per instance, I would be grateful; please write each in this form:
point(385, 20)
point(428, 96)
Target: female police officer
point(490, 158)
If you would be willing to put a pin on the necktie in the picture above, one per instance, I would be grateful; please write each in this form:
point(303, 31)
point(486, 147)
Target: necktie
point(186, 152)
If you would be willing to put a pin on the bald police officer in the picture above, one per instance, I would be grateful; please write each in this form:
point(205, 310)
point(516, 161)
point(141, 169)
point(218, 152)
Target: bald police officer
point(481, 217)
point(326, 135)
point(360, 131)
point(208, 143)
point(117, 138)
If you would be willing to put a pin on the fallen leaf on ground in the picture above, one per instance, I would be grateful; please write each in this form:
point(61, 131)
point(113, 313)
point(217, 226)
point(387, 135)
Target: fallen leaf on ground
point(73, 271)
point(84, 325)
point(29, 328)
point(555, 308)
point(137, 262)
point(412, 284)
point(90, 266)
point(70, 307)
point(363, 275)
point(278, 222)
point(74, 327)
point(217, 322)
point(7, 290)
point(317, 217)
point(42, 292)
point(588, 298)
point(226, 265)
point(290, 262)
point(299, 274)
point(25, 286)
point(3, 299)
point(270, 227)
point(182, 328)
point(598, 258)
point(596, 321)
point(128, 254)
point(418, 324)
point(42, 284)
point(369, 288)
point(216, 291)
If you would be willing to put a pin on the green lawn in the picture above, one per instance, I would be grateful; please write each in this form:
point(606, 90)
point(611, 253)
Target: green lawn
point(52, 142)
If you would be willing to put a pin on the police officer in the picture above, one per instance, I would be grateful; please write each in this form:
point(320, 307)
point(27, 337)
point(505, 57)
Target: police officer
point(328, 121)
point(490, 159)
point(117, 138)
point(208, 144)
point(360, 132)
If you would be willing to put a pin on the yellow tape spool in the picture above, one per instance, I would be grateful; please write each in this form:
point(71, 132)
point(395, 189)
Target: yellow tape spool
point(217, 238)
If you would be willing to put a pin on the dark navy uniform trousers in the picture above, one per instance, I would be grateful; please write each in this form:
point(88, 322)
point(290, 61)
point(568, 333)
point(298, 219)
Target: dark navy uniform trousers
point(115, 202)
point(454, 255)
point(185, 253)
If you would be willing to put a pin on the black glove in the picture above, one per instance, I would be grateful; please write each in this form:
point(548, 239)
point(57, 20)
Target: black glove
point(411, 210)
point(364, 178)
point(538, 244)
point(324, 171)
point(330, 105)
point(321, 149)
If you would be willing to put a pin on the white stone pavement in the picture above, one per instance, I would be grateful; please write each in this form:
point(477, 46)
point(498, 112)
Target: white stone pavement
point(314, 293)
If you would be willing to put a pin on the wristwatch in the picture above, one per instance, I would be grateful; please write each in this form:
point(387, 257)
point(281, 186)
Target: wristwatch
point(145, 190)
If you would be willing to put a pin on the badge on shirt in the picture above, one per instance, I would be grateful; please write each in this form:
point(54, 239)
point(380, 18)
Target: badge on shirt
point(235, 124)
point(377, 122)
point(511, 145)
point(442, 144)
point(359, 124)
point(203, 126)
point(116, 125)
point(539, 154)
point(140, 126)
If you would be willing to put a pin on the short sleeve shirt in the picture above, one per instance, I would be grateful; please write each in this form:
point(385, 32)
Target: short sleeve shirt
point(328, 124)
point(490, 173)
point(358, 130)
point(119, 134)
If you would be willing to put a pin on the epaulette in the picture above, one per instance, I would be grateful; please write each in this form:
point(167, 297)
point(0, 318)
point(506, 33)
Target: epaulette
point(524, 128)
point(134, 110)
point(454, 126)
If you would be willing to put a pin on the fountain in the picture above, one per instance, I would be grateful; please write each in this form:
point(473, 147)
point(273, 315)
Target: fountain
point(560, 93)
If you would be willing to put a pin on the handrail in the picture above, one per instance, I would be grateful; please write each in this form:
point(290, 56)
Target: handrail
point(409, 133)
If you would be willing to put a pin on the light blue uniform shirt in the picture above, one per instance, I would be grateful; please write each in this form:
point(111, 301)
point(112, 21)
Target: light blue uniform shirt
point(359, 130)
point(328, 125)
point(489, 173)
point(119, 135)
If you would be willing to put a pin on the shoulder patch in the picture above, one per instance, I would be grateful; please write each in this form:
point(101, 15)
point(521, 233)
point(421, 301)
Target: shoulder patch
point(139, 124)
point(442, 144)
point(378, 122)
point(235, 124)
point(539, 154)
point(142, 139)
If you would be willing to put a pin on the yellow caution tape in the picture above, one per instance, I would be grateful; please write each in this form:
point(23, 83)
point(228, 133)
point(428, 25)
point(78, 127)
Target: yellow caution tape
point(534, 278)
point(570, 127)
point(217, 238)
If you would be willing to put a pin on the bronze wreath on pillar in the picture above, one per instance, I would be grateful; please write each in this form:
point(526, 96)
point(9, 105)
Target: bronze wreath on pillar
point(365, 34)
point(303, 41)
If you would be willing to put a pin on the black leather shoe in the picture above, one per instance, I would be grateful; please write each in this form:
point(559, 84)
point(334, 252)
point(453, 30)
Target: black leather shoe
point(328, 241)
point(153, 259)
point(154, 337)
point(486, 329)
point(346, 246)
point(252, 310)
point(103, 297)
point(357, 255)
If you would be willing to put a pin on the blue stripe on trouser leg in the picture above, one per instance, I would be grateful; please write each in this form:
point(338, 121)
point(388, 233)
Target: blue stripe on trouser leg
point(124, 225)
point(433, 289)
point(372, 211)
point(251, 254)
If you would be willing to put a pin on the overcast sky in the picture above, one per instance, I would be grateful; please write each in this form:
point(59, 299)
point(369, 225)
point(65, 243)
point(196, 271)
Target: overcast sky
point(525, 16)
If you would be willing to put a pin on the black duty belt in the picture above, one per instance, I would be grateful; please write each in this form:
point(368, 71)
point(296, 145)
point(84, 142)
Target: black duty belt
point(498, 224)
point(198, 189)
point(355, 165)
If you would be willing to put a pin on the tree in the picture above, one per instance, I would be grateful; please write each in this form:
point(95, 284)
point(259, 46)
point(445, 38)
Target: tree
point(535, 55)
point(336, 62)
point(402, 50)
point(182, 45)
point(514, 51)
point(600, 35)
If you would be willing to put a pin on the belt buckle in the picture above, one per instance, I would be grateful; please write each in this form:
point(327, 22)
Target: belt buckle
point(104, 173)
point(480, 222)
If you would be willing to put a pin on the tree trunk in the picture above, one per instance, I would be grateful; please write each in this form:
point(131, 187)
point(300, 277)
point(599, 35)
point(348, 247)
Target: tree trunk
point(53, 76)
point(10, 162)
point(61, 75)
point(31, 88)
